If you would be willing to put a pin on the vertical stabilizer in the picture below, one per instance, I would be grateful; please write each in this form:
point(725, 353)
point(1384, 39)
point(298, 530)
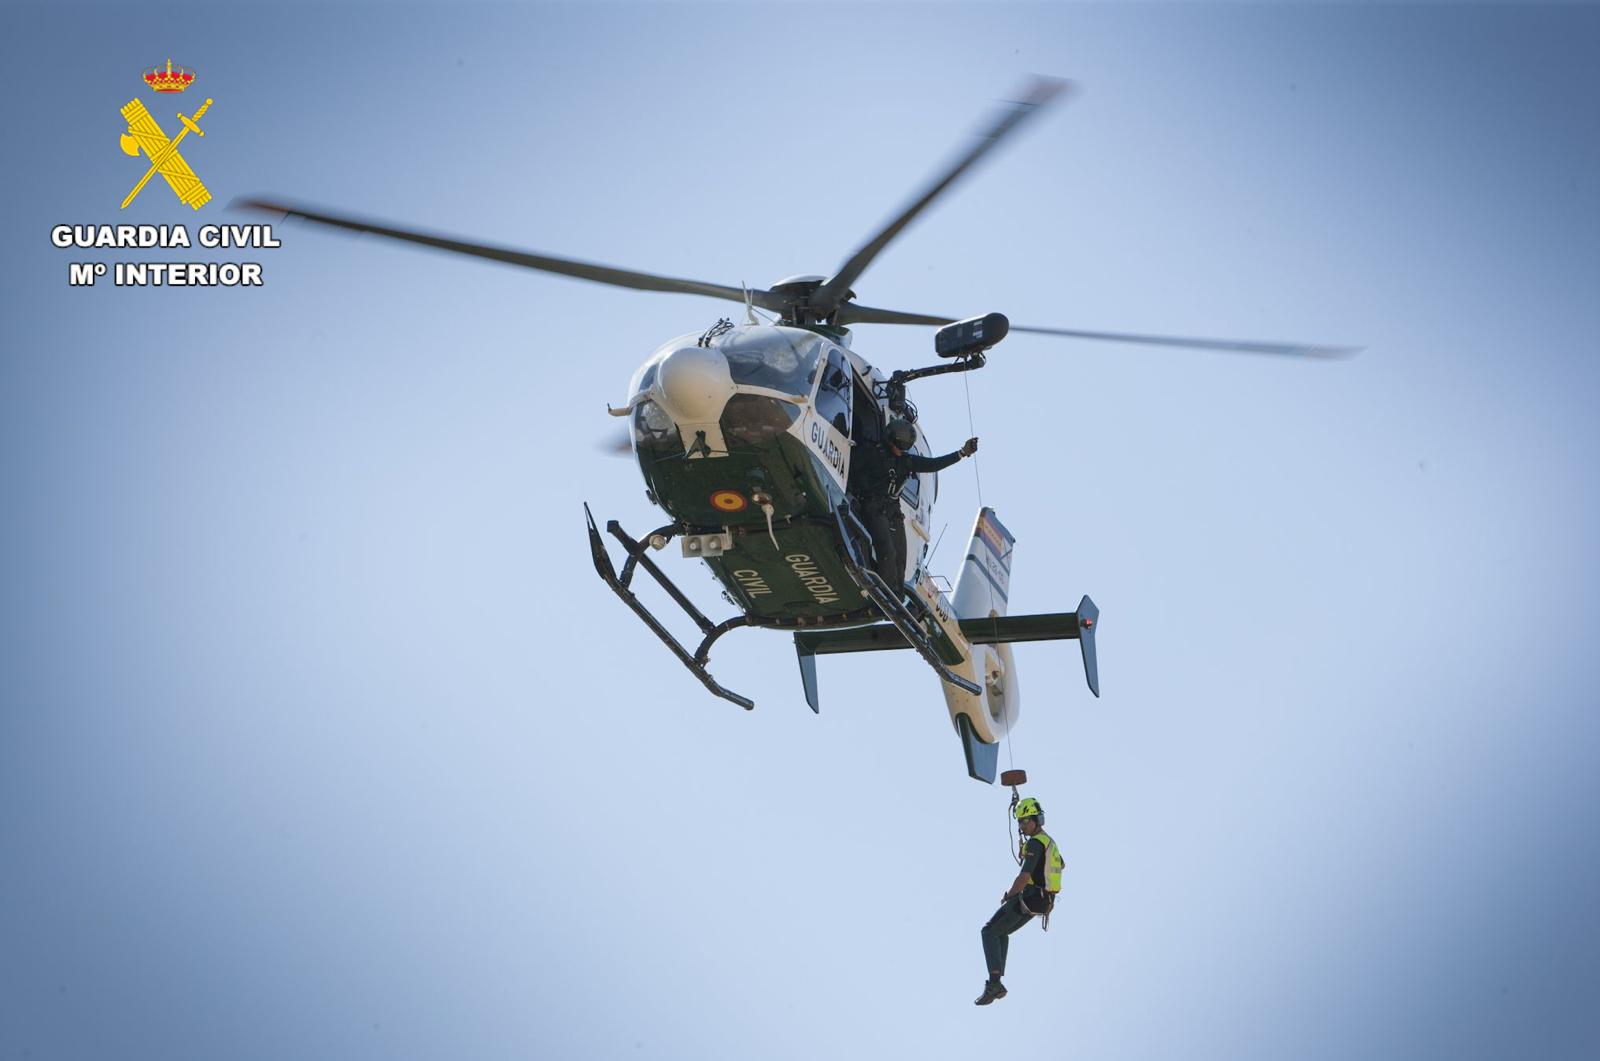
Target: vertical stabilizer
point(982, 591)
point(984, 583)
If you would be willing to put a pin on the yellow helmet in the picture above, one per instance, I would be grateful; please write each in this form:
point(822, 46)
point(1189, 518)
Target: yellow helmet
point(1029, 808)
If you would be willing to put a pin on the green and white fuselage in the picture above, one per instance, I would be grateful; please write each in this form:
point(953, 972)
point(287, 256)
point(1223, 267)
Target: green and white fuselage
point(744, 438)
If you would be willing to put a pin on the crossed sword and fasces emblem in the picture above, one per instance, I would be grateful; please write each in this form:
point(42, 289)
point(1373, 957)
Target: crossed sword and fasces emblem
point(143, 132)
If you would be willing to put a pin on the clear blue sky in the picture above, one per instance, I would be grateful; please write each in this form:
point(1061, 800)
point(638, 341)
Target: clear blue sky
point(320, 738)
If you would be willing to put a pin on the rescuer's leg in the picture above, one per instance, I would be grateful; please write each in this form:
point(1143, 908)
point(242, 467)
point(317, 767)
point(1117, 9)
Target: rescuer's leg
point(883, 543)
point(1011, 916)
point(897, 529)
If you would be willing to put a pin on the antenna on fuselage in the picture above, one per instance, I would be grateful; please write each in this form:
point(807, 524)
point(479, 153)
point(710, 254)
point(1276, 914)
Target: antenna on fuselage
point(749, 305)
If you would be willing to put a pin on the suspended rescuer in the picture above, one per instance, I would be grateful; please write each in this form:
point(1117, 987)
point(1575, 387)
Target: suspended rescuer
point(878, 473)
point(1031, 895)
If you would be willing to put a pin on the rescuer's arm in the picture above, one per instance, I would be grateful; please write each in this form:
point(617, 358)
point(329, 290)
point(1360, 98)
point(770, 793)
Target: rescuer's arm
point(919, 463)
point(1030, 862)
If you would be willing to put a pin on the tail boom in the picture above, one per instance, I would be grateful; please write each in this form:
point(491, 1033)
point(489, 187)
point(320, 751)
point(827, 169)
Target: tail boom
point(973, 637)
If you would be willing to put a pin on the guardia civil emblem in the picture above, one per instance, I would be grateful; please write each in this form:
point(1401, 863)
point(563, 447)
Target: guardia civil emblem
point(146, 135)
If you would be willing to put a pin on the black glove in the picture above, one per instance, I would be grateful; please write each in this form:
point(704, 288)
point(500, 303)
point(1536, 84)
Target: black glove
point(969, 447)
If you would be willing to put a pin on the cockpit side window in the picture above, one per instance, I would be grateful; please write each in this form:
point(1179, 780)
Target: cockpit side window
point(834, 393)
point(654, 431)
point(911, 493)
point(868, 425)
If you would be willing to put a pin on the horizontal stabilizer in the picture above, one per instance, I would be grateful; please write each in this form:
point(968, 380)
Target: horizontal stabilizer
point(1009, 629)
point(882, 637)
point(879, 637)
point(1001, 629)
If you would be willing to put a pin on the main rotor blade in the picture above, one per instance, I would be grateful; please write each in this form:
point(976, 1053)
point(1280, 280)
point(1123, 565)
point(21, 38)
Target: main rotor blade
point(1239, 346)
point(855, 313)
point(1037, 92)
point(600, 274)
point(850, 313)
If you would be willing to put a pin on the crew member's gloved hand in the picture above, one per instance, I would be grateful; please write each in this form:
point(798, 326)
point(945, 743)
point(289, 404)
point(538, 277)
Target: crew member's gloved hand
point(969, 447)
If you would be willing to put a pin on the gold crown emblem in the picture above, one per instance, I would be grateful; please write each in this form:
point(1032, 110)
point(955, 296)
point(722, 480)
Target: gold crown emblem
point(170, 79)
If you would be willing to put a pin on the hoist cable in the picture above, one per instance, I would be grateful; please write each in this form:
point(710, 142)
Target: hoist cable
point(972, 432)
point(1015, 850)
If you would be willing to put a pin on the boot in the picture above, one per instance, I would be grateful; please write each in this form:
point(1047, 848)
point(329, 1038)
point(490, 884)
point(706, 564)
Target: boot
point(992, 989)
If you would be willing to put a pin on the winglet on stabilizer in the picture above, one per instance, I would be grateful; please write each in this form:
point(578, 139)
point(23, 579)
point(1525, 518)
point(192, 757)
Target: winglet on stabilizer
point(1088, 620)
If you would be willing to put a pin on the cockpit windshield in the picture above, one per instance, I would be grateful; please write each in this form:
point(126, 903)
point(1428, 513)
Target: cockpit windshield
point(780, 359)
point(645, 375)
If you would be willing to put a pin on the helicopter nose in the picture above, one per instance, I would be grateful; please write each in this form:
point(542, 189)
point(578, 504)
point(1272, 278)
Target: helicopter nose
point(696, 384)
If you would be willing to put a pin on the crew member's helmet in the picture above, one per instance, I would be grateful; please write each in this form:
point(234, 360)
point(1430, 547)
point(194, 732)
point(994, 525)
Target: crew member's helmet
point(1029, 808)
point(901, 434)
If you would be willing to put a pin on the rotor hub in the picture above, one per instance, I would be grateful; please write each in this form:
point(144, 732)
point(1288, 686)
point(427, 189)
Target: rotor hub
point(796, 293)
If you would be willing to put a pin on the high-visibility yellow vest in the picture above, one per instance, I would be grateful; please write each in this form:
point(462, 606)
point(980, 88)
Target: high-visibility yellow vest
point(1053, 862)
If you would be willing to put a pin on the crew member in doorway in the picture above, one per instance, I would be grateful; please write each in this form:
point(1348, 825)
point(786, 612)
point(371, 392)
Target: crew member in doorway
point(877, 475)
point(1031, 895)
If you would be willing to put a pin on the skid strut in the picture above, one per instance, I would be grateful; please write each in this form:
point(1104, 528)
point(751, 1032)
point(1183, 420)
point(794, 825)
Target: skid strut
point(638, 558)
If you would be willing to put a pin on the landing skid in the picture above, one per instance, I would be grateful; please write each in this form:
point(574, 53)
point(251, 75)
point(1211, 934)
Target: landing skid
point(638, 558)
point(872, 587)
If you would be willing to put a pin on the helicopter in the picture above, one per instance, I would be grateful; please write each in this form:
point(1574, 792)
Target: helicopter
point(744, 436)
